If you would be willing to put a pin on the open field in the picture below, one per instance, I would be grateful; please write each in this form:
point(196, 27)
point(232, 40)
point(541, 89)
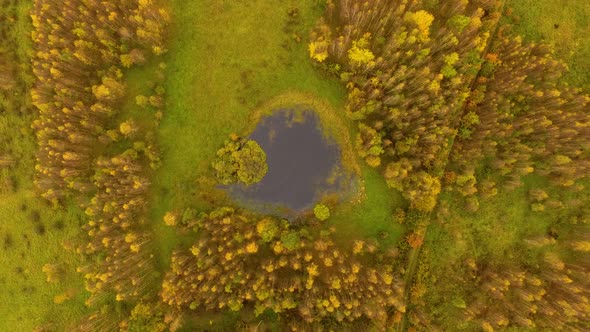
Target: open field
point(562, 23)
point(32, 238)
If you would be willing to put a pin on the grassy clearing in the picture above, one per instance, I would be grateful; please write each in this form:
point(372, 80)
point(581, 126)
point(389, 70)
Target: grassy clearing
point(496, 230)
point(371, 216)
point(494, 235)
point(225, 60)
point(32, 235)
point(562, 23)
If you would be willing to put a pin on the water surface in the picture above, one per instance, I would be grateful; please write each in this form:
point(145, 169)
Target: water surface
point(301, 165)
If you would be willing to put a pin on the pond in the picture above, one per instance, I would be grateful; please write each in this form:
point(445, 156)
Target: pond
point(302, 163)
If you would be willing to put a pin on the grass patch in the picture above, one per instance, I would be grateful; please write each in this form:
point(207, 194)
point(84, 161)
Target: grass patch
point(32, 235)
point(497, 230)
point(561, 23)
point(372, 216)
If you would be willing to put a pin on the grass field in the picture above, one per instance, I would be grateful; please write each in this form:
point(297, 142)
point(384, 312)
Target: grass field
point(32, 235)
point(562, 23)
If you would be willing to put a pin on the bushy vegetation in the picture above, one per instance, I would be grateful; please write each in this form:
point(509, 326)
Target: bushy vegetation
point(246, 260)
point(240, 160)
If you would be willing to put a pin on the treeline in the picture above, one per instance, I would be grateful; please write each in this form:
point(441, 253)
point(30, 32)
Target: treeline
point(408, 68)
point(80, 47)
point(243, 260)
point(116, 214)
point(520, 119)
point(81, 51)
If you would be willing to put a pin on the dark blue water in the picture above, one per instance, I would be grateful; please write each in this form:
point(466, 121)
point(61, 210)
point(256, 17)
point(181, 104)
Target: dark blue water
point(300, 161)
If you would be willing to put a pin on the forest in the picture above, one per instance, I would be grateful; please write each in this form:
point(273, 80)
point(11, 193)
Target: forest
point(298, 165)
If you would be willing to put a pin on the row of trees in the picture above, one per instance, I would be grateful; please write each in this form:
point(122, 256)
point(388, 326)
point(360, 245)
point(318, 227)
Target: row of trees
point(408, 69)
point(80, 47)
point(247, 260)
point(520, 119)
point(119, 253)
point(81, 51)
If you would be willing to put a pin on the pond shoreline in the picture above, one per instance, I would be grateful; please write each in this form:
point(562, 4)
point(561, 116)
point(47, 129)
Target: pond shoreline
point(304, 165)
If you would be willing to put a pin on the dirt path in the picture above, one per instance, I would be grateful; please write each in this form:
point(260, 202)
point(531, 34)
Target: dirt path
point(414, 253)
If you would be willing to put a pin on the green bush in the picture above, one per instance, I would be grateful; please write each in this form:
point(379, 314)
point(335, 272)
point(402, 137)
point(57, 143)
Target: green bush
point(321, 212)
point(241, 161)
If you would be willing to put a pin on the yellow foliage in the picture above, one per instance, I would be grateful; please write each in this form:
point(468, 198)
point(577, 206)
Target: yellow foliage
point(131, 237)
point(423, 21)
point(358, 247)
point(318, 51)
point(387, 278)
point(170, 219)
point(101, 92)
point(359, 53)
point(335, 301)
point(252, 248)
point(373, 161)
point(127, 128)
point(61, 298)
point(487, 327)
point(581, 246)
point(336, 284)
point(278, 248)
point(313, 270)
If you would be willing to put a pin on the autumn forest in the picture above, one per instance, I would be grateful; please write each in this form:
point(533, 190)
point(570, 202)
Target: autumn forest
point(311, 165)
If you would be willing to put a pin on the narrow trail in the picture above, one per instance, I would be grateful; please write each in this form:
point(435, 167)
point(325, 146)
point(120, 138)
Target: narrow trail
point(414, 253)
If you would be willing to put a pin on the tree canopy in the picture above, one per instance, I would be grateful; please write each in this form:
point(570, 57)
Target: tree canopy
point(240, 161)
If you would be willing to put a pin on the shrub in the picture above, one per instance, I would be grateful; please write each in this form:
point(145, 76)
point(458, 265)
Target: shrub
point(241, 161)
point(290, 240)
point(321, 212)
point(267, 229)
point(170, 219)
